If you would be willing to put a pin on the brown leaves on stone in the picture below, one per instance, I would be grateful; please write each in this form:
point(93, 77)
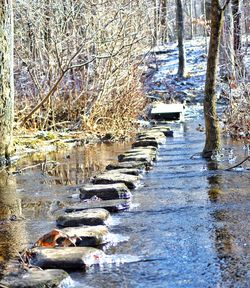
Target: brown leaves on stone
point(56, 238)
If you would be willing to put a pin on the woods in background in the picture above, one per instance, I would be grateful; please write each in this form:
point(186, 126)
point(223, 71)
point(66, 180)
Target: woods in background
point(78, 65)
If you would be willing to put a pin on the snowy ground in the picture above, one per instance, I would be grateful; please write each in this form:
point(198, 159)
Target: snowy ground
point(165, 85)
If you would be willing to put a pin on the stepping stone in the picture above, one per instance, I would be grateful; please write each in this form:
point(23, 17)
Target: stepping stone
point(111, 205)
point(163, 111)
point(34, 278)
point(152, 135)
point(138, 151)
point(67, 258)
point(88, 235)
point(145, 143)
point(166, 130)
point(137, 157)
point(128, 165)
point(129, 171)
point(89, 217)
point(112, 177)
point(105, 192)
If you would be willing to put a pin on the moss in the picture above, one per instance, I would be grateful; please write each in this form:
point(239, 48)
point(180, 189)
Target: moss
point(46, 135)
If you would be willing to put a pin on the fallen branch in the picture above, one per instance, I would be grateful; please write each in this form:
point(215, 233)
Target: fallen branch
point(237, 165)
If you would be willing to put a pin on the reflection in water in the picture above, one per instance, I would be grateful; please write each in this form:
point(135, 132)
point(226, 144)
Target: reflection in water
point(214, 191)
point(11, 224)
point(226, 234)
point(73, 167)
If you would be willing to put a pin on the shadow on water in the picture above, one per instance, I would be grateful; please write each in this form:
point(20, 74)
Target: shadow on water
point(231, 228)
point(12, 228)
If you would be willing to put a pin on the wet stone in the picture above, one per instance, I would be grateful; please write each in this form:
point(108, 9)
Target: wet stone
point(34, 278)
point(88, 235)
point(137, 157)
point(152, 135)
point(141, 154)
point(111, 205)
point(128, 165)
point(105, 192)
point(112, 177)
point(67, 258)
point(130, 171)
point(145, 143)
point(89, 217)
point(166, 130)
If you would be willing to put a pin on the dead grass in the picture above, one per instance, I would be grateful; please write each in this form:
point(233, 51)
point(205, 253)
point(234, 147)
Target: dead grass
point(236, 117)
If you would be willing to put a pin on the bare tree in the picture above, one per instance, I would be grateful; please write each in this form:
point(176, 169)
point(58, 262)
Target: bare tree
point(227, 63)
point(211, 119)
point(6, 80)
point(237, 31)
point(180, 32)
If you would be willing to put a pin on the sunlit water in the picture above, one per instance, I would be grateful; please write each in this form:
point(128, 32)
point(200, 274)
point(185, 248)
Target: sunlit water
point(188, 225)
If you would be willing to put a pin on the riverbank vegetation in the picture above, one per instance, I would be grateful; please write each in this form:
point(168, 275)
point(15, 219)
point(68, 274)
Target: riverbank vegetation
point(82, 65)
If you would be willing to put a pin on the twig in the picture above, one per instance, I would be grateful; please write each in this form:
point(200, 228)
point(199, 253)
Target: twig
point(230, 168)
point(196, 154)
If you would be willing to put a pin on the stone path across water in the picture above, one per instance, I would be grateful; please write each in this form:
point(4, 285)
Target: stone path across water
point(111, 192)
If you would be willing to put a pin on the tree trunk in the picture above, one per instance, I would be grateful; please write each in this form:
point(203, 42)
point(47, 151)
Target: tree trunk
point(180, 32)
point(164, 21)
point(227, 64)
point(6, 80)
point(191, 20)
point(236, 11)
point(211, 119)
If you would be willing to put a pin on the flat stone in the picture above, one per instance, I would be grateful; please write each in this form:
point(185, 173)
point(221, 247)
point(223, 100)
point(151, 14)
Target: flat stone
point(113, 177)
point(129, 171)
point(105, 192)
point(163, 111)
point(164, 129)
point(67, 258)
point(112, 206)
point(90, 217)
point(127, 165)
point(145, 143)
point(88, 235)
point(35, 278)
point(152, 135)
point(144, 153)
point(137, 157)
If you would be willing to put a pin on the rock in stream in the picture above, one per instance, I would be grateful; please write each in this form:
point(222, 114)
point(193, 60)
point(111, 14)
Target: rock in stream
point(35, 278)
point(91, 217)
point(68, 258)
point(105, 192)
point(110, 205)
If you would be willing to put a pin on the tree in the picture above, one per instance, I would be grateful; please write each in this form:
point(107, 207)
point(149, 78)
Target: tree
point(236, 11)
point(227, 63)
point(6, 80)
point(211, 118)
point(180, 32)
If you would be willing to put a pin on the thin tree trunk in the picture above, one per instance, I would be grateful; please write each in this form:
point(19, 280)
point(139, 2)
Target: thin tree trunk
point(164, 26)
point(6, 80)
point(211, 119)
point(227, 64)
point(191, 20)
point(236, 11)
point(180, 32)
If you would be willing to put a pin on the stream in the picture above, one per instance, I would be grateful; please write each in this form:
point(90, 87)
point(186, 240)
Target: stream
point(188, 225)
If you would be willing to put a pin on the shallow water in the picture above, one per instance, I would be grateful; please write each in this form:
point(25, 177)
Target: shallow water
point(188, 225)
